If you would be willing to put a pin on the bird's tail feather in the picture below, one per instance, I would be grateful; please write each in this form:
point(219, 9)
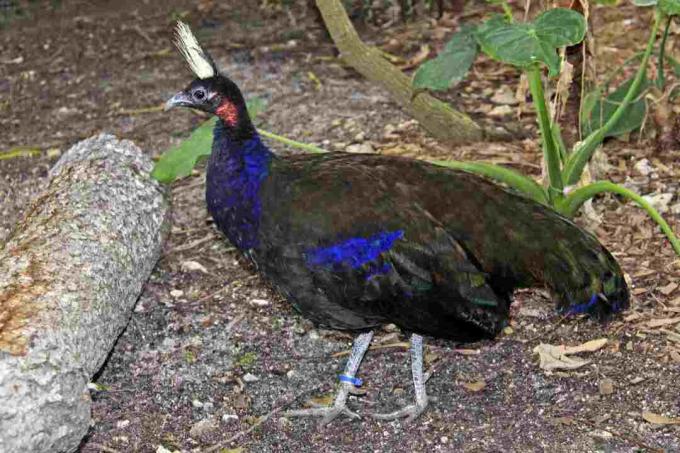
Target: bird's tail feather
point(585, 277)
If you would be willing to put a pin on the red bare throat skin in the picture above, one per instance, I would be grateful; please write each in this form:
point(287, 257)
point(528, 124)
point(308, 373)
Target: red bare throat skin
point(228, 112)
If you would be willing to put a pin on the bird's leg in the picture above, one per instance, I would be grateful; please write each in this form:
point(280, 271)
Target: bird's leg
point(348, 381)
point(414, 410)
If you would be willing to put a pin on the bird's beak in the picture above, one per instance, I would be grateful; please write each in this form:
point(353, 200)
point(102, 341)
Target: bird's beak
point(180, 99)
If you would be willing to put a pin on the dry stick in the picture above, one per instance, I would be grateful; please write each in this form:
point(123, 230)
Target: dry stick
point(262, 419)
point(401, 344)
point(437, 117)
point(140, 111)
point(103, 448)
point(630, 439)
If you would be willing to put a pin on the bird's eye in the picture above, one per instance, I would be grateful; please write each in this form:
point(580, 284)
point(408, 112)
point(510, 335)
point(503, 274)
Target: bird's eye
point(199, 94)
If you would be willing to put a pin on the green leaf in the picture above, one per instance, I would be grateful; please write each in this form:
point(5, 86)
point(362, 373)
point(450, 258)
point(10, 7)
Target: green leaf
point(670, 7)
point(451, 65)
point(179, 161)
point(524, 44)
point(597, 111)
point(645, 2)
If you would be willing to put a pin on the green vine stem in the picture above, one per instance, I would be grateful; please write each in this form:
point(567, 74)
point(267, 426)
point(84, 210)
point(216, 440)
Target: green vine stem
point(575, 200)
point(661, 77)
point(293, 143)
point(581, 156)
point(510, 177)
point(550, 152)
point(516, 180)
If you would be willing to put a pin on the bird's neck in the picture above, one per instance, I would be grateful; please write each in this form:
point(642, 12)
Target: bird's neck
point(238, 165)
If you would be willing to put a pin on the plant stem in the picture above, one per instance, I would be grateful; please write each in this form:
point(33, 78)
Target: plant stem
point(516, 180)
point(550, 153)
point(19, 152)
point(575, 200)
point(661, 78)
point(293, 143)
point(581, 156)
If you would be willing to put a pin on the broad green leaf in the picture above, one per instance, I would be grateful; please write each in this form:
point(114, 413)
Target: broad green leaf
point(451, 65)
point(561, 27)
point(670, 7)
point(524, 44)
point(645, 2)
point(180, 160)
point(597, 111)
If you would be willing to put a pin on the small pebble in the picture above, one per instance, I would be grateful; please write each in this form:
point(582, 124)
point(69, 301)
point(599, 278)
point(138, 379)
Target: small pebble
point(606, 386)
point(121, 424)
point(197, 404)
point(500, 111)
point(248, 377)
point(363, 148)
point(228, 418)
point(176, 293)
point(260, 302)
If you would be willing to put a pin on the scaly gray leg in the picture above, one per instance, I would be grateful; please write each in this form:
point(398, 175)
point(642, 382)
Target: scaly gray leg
point(414, 410)
point(347, 386)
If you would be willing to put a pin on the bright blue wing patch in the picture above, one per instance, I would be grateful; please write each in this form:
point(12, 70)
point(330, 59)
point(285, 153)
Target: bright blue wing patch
point(354, 252)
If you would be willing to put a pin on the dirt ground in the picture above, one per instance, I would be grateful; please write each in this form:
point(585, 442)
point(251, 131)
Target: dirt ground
point(207, 353)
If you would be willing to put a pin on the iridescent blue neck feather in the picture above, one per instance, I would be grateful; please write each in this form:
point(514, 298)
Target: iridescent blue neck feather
point(236, 169)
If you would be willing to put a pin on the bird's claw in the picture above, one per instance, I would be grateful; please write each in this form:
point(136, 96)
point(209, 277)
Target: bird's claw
point(411, 412)
point(327, 413)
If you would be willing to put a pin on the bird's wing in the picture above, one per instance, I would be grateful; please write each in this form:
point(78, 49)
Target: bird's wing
point(376, 251)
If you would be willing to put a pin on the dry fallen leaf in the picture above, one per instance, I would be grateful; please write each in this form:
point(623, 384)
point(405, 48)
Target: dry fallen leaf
point(553, 357)
point(189, 266)
point(588, 346)
point(668, 289)
point(662, 322)
point(476, 386)
point(675, 356)
point(660, 419)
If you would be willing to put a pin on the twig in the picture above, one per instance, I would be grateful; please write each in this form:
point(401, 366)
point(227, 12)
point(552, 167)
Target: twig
point(141, 33)
point(627, 438)
point(189, 246)
point(401, 344)
point(140, 111)
point(262, 419)
point(103, 448)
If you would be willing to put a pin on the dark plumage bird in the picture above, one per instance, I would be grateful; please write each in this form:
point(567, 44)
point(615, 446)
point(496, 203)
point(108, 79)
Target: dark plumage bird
point(357, 241)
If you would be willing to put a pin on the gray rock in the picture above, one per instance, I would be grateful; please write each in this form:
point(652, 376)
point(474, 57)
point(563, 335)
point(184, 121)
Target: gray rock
point(70, 274)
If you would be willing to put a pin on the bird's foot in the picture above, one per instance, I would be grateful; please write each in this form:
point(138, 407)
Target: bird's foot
point(411, 412)
point(327, 413)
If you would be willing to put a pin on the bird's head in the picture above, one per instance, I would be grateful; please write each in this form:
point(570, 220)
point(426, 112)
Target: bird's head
point(211, 91)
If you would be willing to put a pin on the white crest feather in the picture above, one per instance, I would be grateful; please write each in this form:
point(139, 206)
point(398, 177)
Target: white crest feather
point(198, 60)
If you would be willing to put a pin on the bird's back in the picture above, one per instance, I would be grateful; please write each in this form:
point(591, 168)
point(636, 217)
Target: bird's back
point(355, 241)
